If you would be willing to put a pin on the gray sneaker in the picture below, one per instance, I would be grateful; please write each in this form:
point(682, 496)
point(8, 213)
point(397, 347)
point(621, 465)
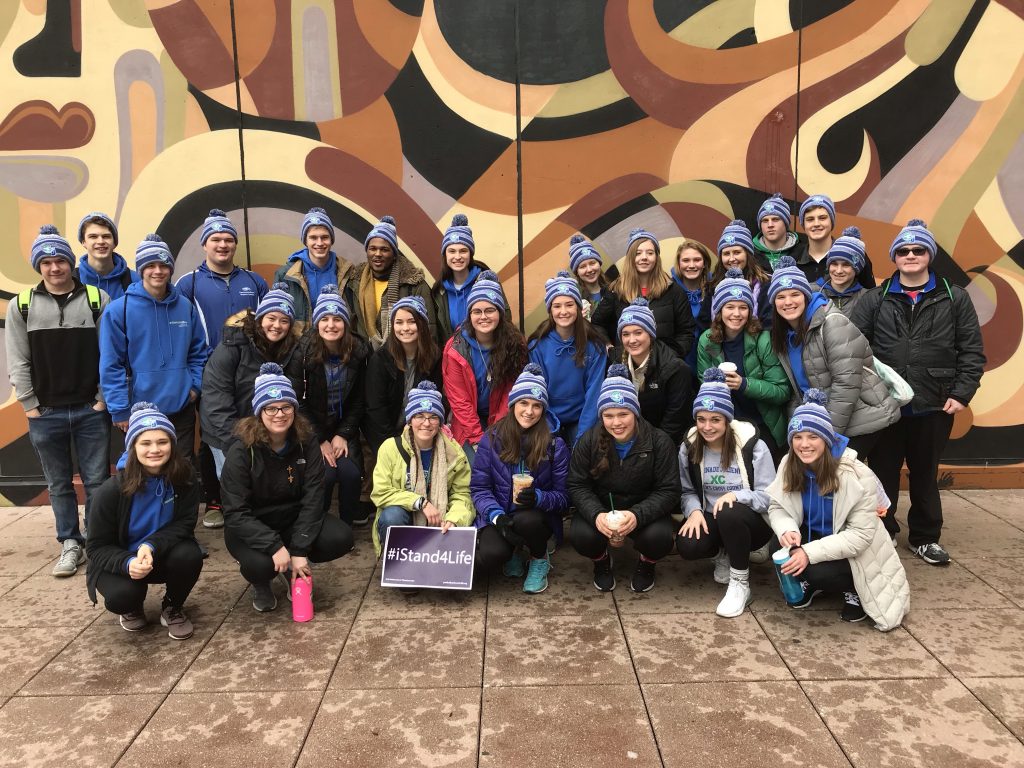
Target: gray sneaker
point(178, 625)
point(71, 556)
point(134, 621)
point(263, 599)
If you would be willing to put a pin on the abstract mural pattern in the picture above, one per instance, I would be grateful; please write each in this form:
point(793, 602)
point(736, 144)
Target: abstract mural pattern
point(532, 116)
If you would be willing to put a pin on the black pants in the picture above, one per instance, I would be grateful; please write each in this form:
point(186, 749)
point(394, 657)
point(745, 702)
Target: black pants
point(493, 550)
point(178, 568)
point(829, 576)
point(347, 476)
point(653, 541)
point(920, 441)
point(334, 540)
point(737, 528)
point(865, 444)
point(208, 475)
point(184, 422)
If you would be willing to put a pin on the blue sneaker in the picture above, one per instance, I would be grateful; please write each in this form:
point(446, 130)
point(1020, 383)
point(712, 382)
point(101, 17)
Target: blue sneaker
point(537, 577)
point(514, 568)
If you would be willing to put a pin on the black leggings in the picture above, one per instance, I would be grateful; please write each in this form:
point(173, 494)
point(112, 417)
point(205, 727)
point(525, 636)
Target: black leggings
point(829, 576)
point(178, 568)
point(493, 551)
point(653, 541)
point(347, 475)
point(333, 541)
point(737, 528)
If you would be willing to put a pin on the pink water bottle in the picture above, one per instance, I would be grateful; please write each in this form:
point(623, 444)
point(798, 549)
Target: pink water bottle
point(302, 598)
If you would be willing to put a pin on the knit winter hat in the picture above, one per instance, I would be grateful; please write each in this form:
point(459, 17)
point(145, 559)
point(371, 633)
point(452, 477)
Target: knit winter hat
point(385, 229)
point(48, 244)
point(486, 288)
point(714, 396)
point(638, 313)
point(734, 287)
point(639, 233)
point(414, 304)
point(217, 221)
point(618, 391)
point(317, 217)
point(277, 299)
point(562, 284)
point(774, 206)
point(152, 250)
point(424, 398)
point(330, 303)
point(458, 233)
point(580, 250)
point(915, 233)
point(146, 416)
point(812, 417)
point(736, 232)
point(848, 247)
point(818, 201)
point(107, 222)
point(529, 385)
point(787, 276)
point(272, 386)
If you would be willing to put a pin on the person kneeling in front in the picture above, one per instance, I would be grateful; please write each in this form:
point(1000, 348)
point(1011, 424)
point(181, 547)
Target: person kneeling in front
point(272, 490)
point(823, 509)
point(140, 531)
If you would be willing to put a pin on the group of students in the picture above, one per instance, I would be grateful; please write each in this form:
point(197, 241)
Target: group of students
point(336, 374)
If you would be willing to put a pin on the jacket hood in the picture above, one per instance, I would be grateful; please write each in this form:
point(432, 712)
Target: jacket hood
point(137, 289)
point(791, 240)
point(816, 302)
point(474, 273)
point(120, 267)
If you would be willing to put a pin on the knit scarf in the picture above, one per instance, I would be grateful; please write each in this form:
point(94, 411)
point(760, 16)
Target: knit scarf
point(378, 331)
point(438, 473)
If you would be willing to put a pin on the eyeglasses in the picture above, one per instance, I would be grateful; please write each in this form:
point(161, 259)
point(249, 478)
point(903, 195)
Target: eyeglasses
point(284, 410)
point(427, 418)
point(917, 250)
point(486, 312)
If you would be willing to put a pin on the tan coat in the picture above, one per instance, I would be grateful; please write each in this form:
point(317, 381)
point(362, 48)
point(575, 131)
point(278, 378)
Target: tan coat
point(860, 537)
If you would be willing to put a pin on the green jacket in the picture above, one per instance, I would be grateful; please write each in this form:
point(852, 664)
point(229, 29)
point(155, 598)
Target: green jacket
point(767, 383)
point(390, 487)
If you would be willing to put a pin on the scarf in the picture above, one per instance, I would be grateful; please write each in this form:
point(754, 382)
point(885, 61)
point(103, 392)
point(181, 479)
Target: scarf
point(638, 373)
point(378, 330)
point(438, 472)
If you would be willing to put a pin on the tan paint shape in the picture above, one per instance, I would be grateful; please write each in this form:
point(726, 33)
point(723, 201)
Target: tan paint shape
point(143, 110)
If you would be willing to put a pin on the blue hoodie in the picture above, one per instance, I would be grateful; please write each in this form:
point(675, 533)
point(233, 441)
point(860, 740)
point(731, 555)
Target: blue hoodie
point(457, 297)
point(218, 297)
point(316, 278)
point(113, 281)
point(818, 509)
point(480, 359)
point(796, 352)
point(572, 391)
point(152, 509)
point(164, 344)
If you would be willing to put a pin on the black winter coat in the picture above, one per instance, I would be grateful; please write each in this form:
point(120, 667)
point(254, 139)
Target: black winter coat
point(672, 316)
point(666, 401)
point(264, 494)
point(109, 515)
point(646, 482)
point(353, 395)
point(385, 396)
point(229, 381)
point(816, 270)
point(935, 345)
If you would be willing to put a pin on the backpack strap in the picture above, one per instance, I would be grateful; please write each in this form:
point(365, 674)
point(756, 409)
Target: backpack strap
point(126, 279)
point(24, 300)
point(92, 293)
point(402, 452)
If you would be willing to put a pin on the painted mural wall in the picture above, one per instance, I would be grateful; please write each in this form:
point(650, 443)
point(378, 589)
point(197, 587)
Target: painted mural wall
point(673, 115)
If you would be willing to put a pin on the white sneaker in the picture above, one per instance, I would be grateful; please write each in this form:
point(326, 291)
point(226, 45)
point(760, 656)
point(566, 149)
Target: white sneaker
point(721, 561)
point(737, 598)
point(761, 554)
point(72, 555)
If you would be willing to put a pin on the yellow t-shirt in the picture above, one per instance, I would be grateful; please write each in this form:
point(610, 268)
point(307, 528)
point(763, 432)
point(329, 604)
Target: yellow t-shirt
point(379, 286)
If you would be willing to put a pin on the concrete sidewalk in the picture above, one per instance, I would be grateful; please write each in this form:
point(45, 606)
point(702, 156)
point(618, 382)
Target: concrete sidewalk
point(571, 677)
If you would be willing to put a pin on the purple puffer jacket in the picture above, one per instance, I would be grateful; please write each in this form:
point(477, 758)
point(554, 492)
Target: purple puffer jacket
point(490, 485)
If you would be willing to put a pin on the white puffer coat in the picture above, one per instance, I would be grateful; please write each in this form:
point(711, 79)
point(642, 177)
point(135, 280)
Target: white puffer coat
point(859, 537)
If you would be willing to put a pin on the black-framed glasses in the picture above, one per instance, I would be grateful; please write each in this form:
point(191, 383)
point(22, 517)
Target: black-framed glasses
point(285, 410)
point(917, 250)
point(429, 418)
point(485, 312)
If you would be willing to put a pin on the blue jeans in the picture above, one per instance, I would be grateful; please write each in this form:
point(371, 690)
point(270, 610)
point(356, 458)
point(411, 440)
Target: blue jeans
point(218, 460)
point(52, 434)
point(391, 516)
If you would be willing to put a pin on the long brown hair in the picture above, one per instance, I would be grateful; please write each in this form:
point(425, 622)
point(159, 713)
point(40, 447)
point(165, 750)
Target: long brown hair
point(533, 443)
point(704, 251)
point(177, 471)
point(426, 348)
point(717, 335)
point(273, 351)
point(317, 351)
point(730, 451)
point(508, 353)
point(825, 469)
point(751, 271)
point(604, 447)
point(781, 329)
point(583, 332)
point(627, 286)
point(251, 430)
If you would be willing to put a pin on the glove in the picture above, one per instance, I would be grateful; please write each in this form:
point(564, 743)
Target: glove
point(504, 525)
point(527, 497)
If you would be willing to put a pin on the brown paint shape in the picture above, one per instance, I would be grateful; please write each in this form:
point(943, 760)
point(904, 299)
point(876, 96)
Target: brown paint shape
point(35, 125)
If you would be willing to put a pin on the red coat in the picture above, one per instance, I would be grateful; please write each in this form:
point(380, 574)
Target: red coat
point(460, 389)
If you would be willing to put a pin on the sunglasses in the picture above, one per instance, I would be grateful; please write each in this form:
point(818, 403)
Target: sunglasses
point(917, 250)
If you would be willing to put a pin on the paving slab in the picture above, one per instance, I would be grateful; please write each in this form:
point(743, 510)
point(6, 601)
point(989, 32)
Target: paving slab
point(32, 521)
point(969, 531)
point(58, 731)
point(973, 643)
point(389, 603)
point(25, 555)
point(44, 601)
point(753, 724)
point(334, 600)
point(698, 646)
point(1003, 574)
point(7, 583)
point(566, 726)
point(1004, 504)
point(1004, 697)
point(9, 515)
point(24, 651)
point(950, 586)
point(570, 591)
point(899, 723)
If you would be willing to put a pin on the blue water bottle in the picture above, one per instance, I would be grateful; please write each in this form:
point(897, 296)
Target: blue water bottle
point(791, 588)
